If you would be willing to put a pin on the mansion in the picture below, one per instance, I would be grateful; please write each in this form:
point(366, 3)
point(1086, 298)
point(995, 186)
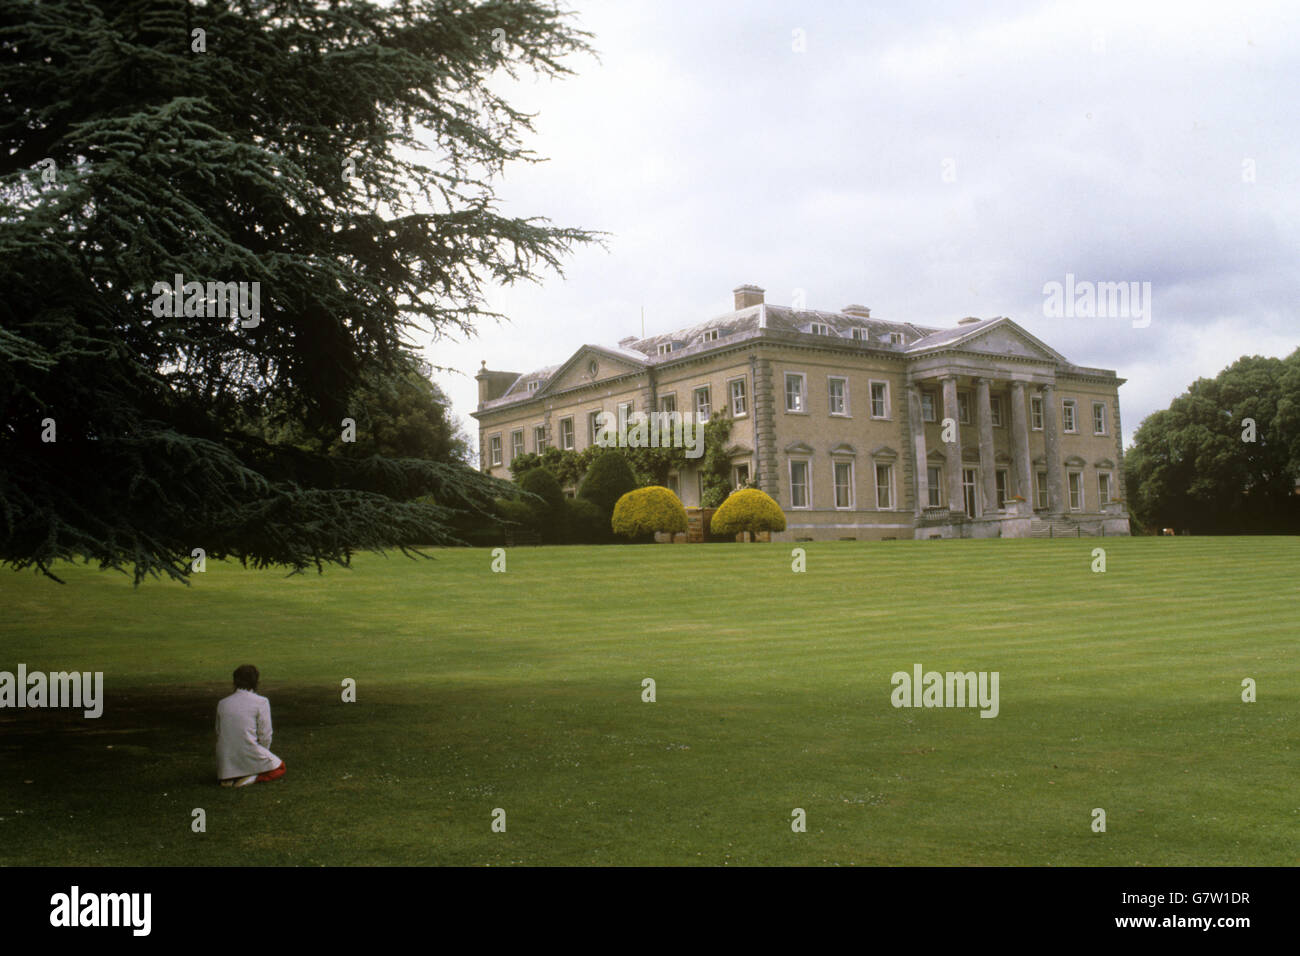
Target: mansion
point(841, 418)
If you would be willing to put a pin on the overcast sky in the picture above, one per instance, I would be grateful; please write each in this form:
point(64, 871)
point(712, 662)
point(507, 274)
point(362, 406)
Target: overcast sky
point(930, 161)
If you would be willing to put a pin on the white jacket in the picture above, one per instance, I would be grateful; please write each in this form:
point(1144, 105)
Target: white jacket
point(243, 735)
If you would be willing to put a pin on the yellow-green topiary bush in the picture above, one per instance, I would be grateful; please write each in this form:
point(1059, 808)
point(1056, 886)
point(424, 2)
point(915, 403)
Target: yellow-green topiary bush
point(747, 510)
point(647, 510)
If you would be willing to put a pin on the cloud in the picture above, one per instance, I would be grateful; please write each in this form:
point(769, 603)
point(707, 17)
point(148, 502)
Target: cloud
point(930, 161)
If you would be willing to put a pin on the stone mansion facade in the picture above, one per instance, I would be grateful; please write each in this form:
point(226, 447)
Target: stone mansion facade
point(841, 418)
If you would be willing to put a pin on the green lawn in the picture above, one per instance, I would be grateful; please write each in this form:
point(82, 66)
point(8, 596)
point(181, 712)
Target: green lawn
point(522, 691)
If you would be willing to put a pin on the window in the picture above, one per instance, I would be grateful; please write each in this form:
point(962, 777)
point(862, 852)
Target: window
point(1103, 487)
point(968, 486)
point(532, 386)
point(494, 443)
point(879, 399)
point(927, 406)
point(884, 486)
point(1099, 418)
point(539, 438)
point(1040, 489)
point(794, 391)
point(1000, 479)
point(934, 478)
point(995, 410)
point(859, 335)
point(963, 407)
point(668, 403)
point(516, 443)
point(1076, 491)
point(566, 433)
point(665, 348)
point(1068, 422)
point(624, 413)
point(710, 336)
point(799, 485)
point(818, 329)
point(1036, 413)
point(738, 406)
point(895, 338)
point(593, 427)
point(675, 485)
point(703, 404)
point(740, 475)
point(839, 395)
point(843, 484)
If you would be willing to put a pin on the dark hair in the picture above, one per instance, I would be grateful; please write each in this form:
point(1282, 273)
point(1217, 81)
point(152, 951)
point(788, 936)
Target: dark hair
point(246, 677)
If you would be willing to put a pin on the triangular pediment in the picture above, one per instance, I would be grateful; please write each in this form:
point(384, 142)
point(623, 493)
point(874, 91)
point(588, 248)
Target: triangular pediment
point(588, 365)
point(999, 337)
point(799, 448)
point(843, 448)
point(1006, 338)
point(1103, 463)
point(883, 451)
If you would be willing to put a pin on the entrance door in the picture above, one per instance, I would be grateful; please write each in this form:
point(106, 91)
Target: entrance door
point(968, 490)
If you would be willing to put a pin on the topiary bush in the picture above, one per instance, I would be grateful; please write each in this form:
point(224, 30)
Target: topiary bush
point(747, 510)
point(608, 478)
point(584, 522)
point(517, 514)
point(549, 511)
point(646, 510)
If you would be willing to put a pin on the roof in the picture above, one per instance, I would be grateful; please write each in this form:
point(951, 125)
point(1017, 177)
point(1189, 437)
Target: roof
point(757, 320)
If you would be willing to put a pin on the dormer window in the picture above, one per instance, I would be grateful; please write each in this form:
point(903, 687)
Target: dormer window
point(665, 348)
point(859, 335)
point(817, 328)
point(533, 385)
point(710, 336)
point(895, 338)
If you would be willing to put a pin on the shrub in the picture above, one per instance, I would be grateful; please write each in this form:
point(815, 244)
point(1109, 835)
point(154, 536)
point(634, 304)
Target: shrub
point(748, 510)
point(517, 513)
point(585, 522)
point(549, 511)
point(646, 510)
point(608, 479)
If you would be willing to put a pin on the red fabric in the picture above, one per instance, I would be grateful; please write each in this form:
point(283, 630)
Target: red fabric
point(275, 774)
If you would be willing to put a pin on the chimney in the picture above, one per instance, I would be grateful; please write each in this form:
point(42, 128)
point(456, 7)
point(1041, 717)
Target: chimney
point(747, 295)
point(969, 320)
point(493, 384)
point(626, 341)
point(861, 311)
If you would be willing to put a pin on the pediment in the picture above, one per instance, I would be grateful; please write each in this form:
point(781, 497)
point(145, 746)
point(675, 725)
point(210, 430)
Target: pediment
point(883, 451)
point(799, 448)
point(843, 448)
point(970, 454)
point(936, 455)
point(1074, 461)
point(1103, 463)
point(1004, 337)
point(588, 365)
point(1040, 460)
point(1002, 458)
point(737, 451)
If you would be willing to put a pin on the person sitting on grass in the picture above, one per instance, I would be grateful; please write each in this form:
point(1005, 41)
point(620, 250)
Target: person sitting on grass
point(244, 734)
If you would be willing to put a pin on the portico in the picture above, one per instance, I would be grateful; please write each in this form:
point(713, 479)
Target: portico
point(983, 419)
